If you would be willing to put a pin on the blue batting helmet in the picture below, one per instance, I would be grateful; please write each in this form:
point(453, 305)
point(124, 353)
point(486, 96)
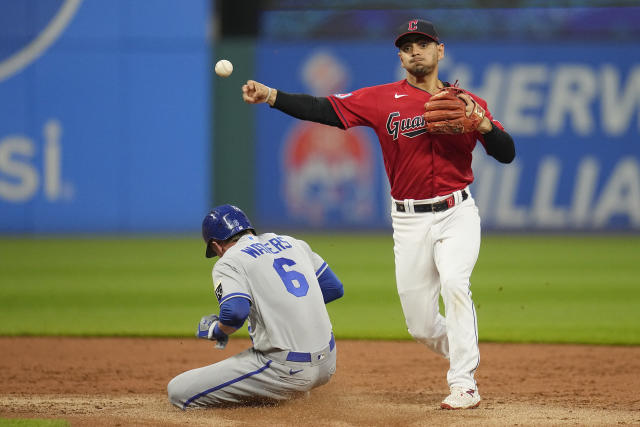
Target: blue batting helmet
point(222, 223)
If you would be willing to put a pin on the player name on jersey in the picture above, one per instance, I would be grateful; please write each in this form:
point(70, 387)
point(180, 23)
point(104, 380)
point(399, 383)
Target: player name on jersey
point(274, 246)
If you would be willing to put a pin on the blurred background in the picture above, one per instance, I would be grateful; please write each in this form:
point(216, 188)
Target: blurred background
point(112, 121)
point(116, 138)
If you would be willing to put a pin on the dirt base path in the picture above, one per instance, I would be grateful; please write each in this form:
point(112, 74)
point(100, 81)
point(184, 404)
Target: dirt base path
point(122, 381)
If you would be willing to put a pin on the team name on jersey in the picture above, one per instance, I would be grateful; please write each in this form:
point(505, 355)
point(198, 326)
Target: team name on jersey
point(273, 246)
point(409, 127)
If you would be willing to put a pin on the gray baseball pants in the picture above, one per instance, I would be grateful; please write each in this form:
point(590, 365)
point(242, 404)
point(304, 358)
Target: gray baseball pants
point(252, 377)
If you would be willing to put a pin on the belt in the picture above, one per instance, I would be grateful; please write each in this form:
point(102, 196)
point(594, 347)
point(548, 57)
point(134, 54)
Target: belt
point(296, 356)
point(440, 206)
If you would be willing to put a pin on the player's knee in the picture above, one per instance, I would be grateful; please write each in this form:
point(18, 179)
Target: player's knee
point(425, 329)
point(426, 333)
point(456, 288)
point(175, 394)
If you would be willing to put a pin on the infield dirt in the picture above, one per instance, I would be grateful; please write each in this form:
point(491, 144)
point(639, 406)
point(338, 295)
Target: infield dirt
point(122, 382)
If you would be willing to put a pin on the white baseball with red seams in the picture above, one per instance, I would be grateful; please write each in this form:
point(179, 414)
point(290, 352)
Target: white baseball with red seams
point(224, 68)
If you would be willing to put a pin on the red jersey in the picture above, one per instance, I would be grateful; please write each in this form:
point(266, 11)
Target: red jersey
point(419, 165)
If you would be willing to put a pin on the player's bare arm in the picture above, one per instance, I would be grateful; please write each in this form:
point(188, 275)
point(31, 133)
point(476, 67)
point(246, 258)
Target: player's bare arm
point(254, 92)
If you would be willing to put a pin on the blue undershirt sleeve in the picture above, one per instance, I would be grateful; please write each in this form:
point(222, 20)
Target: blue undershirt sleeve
point(330, 285)
point(234, 311)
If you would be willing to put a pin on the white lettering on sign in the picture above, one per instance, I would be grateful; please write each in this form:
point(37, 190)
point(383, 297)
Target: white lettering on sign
point(585, 181)
point(19, 175)
point(543, 212)
point(496, 192)
point(620, 101)
point(621, 195)
point(538, 99)
point(34, 49)
point(571, 96)
point(16, 156)
point(52, 160)
point(524, 99)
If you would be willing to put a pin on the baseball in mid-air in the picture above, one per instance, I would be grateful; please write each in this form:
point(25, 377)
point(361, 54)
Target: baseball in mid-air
point(224, 68)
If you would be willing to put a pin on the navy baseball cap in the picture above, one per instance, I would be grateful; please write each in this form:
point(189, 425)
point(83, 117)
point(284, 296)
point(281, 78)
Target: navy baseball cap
point(417, 26)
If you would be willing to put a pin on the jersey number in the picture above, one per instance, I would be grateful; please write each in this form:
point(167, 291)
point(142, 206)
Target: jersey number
point(294, 281)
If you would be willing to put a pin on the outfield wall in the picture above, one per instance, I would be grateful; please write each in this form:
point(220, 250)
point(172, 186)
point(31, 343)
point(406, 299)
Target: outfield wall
point(104, 115)
point(107, 118)
point(573, 110)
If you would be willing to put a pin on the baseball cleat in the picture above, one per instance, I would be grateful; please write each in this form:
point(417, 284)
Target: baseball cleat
point(461, 398)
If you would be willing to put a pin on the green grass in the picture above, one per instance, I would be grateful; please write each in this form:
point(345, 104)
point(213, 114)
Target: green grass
point(582, 289)
point(559, 289)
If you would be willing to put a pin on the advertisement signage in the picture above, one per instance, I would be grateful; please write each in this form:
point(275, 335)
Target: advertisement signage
point(573, 111)
point(103, 116)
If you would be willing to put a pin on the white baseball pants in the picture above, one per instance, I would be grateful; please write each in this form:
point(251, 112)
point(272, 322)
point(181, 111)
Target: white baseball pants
point(435, 253)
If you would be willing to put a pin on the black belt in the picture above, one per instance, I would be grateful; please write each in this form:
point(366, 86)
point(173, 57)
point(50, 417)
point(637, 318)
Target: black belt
point(440, 206)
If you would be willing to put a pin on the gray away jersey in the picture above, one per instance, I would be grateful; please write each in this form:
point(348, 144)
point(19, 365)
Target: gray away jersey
point(278, 275)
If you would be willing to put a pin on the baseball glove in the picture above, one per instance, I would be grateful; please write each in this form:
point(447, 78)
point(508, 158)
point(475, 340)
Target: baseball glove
point(446, 113)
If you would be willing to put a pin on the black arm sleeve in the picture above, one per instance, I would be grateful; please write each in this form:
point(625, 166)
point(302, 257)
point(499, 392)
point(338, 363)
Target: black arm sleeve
point(307, 107)
point(500, 145)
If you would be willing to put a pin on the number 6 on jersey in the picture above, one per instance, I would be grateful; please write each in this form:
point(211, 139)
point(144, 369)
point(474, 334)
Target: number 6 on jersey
point(289, 276)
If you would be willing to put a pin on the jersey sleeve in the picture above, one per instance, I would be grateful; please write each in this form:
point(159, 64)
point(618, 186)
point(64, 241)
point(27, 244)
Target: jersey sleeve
point(358, 108)
point(329, 283)
point(319, 265)
point(228, 282)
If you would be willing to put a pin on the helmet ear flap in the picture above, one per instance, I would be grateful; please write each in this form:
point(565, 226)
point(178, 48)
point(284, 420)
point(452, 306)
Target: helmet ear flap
point(210, 252)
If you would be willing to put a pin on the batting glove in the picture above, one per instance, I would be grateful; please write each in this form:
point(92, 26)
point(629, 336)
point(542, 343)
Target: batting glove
point(208, 329)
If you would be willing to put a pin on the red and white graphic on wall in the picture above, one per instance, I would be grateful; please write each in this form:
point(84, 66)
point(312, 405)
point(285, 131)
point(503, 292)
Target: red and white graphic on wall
point(328, 175)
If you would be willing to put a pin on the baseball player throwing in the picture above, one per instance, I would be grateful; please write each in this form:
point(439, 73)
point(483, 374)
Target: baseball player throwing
point(427, 130)
point(281, 286)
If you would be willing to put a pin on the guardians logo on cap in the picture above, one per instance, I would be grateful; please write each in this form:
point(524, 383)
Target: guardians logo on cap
point(417, 26)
